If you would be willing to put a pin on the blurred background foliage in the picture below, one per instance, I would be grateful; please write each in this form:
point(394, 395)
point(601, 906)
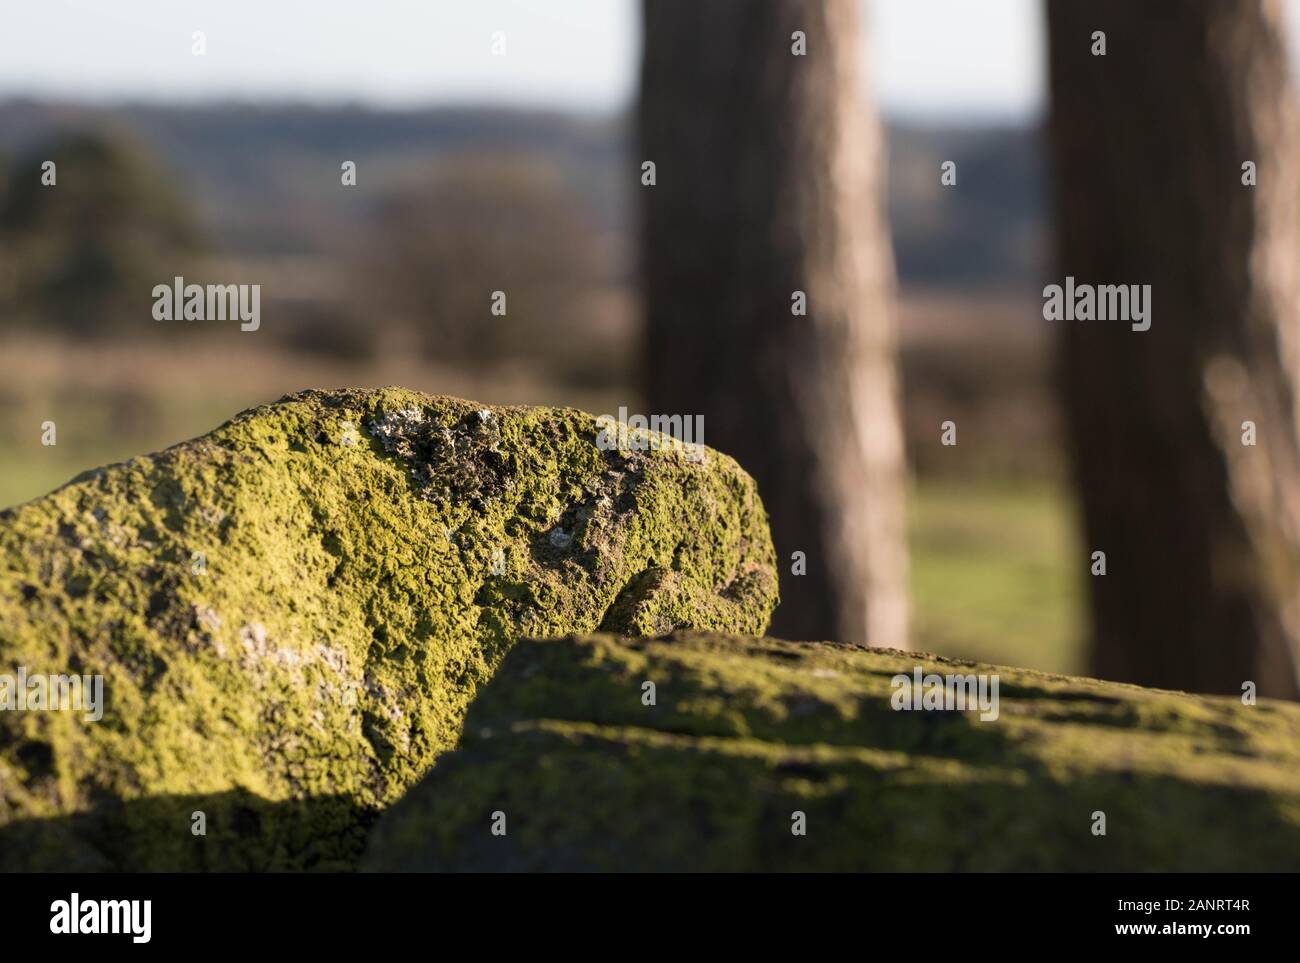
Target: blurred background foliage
point(390, 282)
point(78, 255)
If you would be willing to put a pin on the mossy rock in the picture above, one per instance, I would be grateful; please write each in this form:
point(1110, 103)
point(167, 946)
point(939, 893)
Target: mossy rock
point(291, 613)
point(748, 732)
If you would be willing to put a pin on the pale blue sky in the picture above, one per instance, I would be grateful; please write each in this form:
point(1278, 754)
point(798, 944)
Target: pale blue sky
point(927, 57)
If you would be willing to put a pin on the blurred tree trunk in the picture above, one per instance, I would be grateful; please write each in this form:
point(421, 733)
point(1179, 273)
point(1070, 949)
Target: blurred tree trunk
point(1201, 532)
point(769, 182)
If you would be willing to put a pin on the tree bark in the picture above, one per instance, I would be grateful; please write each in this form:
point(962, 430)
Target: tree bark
point(1201, 532)
point(768, 172)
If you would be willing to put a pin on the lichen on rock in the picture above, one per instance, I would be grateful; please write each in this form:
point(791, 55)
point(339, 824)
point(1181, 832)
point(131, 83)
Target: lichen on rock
point(745, 733)
point(292, 613)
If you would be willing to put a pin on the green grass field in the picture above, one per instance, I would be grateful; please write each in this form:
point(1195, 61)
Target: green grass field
point(997, 573)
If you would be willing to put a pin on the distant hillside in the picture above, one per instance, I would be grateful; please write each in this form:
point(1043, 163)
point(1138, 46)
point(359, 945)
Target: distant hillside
point(991, 228)
point(264, 178)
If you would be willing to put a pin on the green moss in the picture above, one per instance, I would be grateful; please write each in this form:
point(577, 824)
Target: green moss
point(292, 613)
point(746, 731)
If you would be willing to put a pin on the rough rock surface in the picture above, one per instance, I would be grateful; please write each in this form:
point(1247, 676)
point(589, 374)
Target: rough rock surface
point(292, 613)
point(747, 731)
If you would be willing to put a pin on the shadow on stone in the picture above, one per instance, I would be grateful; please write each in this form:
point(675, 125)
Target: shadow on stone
point(244, 833)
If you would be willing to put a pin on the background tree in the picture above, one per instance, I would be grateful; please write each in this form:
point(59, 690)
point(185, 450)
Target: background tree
point(85, 253)
point(483, 222)
point(768, 169)
point(1201, 532)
